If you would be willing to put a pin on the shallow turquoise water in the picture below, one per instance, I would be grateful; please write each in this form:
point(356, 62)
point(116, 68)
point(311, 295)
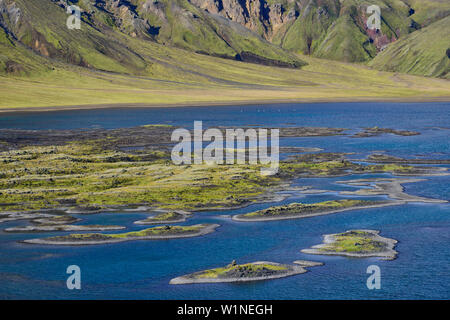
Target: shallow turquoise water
point(142, 269)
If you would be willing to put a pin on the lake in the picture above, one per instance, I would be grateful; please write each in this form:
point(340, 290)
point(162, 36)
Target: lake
point(143, 269)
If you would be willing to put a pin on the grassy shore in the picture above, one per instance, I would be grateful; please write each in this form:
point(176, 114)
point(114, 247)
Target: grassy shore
point(183, 78)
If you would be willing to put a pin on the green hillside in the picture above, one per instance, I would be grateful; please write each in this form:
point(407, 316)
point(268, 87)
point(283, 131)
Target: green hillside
point(426, 12)
point(337, 29)
point(178, 77)
point(424, 52)
point(174, 52)
point(103, 41)
point(247, 30)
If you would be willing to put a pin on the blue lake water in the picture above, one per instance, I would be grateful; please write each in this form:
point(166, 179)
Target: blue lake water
point(142, 269)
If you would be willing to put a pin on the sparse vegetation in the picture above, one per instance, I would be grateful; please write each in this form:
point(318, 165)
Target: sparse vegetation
point(354, 241)
point(248, 269)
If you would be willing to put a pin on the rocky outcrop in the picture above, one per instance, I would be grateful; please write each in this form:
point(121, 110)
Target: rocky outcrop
point(176, 23)
point(258, 31)
point(324, 28)
point(256, 15)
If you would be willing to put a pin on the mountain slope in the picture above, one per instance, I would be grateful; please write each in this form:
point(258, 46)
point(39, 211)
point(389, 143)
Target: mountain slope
point(425, 12)
point(325, 28)
point(179, 77)
point(41, 27)
point(337, 30)
point(106, 29)
point(268, 32)
point(424, 52)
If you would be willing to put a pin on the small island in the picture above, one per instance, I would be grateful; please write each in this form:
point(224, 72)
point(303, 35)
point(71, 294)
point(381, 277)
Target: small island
point(356, 243)
point(55, 220)
point(165, 217)
point(254, 271)
point(384, 158)
point(52, 223)
point(63, 227)
point(304, 210)
point(155, 233)
point(376, 131)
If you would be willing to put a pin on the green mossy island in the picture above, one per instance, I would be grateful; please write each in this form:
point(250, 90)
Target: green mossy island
point(85, 178)
point(155, 233)
point(63, 227)
point(376, 131)
point(165, 217)
point(304, 210)
point(356, 243)
point(255, 271)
